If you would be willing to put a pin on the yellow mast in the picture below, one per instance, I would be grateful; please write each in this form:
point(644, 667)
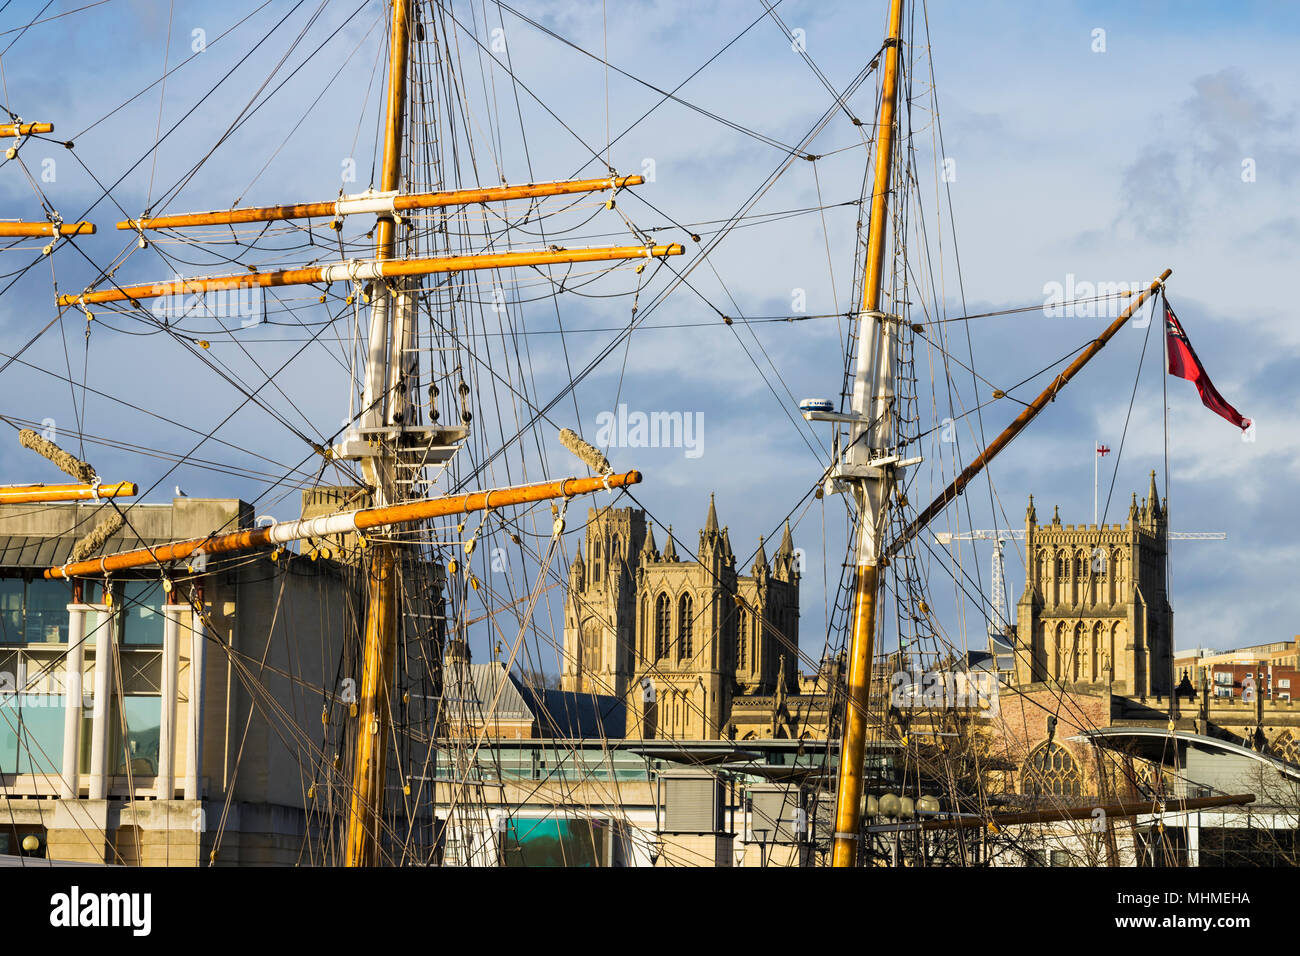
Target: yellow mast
point(370, 764)
point(379, 202)
point(365, 270)
point(871, 470)
point(871, 432)
point(388, 369)
point(31, 494)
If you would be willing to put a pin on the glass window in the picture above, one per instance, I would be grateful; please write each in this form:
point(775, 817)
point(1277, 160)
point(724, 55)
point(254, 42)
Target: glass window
point(685, 625)
point(1051, 769)
point(47, 611)
point(143, 724)
point(662, 626)
point(33, 612)
point(142, 603)
point(11, 610)
point(31, 733)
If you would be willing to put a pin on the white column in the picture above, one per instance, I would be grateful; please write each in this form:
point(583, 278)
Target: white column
point(105, 633)
point(194, 718)
point(72, 699)
point(165, 781)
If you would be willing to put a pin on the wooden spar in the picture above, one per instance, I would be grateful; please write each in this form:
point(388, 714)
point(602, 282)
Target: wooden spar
point(1061, 814)
point(46, 229)
point(379, 203)
point(29, 494)
point(25, 129)
point(370, 754)
point(1024, 418)
point(370, 744)
point(341, 523)
point(370, 269)
point(871, 384)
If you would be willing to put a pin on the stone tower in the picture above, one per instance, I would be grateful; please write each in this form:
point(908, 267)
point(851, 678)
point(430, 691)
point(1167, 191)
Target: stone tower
point(679, 639)
point(599, 605)
point(1095, 609)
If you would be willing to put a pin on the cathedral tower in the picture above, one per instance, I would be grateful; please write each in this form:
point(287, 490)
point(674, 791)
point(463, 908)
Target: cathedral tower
point(599, 605)
point(679, 639)
point(1095, 609)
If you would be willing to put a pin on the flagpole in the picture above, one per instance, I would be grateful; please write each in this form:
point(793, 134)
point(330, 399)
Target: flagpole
point(1164, 394)
point(1096, 456)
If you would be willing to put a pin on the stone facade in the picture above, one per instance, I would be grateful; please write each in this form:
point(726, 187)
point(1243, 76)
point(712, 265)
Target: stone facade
point(685, 642)
point(1094, 608)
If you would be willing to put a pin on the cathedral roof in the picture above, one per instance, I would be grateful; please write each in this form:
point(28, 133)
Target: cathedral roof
point(1153, 497)
point(787, 543)
point(670, 549)
point(648, 546)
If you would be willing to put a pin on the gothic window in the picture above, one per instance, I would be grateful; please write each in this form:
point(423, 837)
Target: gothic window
point(1051, 770)
point(595, 561)
point(1081, 566)
point(663, 618)
point(742, 641)
point(685, 625)
point(1095, 651)
point(1077, 652)
point(590, 660)
point(1285, 748)
point(1062, 566)
point(1146, 778)
point(645, 627)
point(1099, 562)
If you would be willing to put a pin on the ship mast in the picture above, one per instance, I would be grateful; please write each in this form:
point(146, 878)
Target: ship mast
point(871, 434)
point(390, 316)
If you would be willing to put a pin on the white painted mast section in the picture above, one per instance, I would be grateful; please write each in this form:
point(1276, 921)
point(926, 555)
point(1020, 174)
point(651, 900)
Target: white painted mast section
point(866, 461)
point(72, 700)
point(402, 359)
point(105, 644)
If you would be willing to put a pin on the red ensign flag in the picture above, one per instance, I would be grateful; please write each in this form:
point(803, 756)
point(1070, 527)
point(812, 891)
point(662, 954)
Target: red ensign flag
point(1184, 363)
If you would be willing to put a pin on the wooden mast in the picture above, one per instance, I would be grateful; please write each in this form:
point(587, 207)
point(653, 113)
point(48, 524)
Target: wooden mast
point(342, 522)
point(870, 435)
point(366, 270)
point(378, 202)
point(31, 494)
point(370, 764)
point(8, 229)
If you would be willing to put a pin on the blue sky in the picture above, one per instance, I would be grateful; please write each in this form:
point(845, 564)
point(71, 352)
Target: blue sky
point(1103, 165)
